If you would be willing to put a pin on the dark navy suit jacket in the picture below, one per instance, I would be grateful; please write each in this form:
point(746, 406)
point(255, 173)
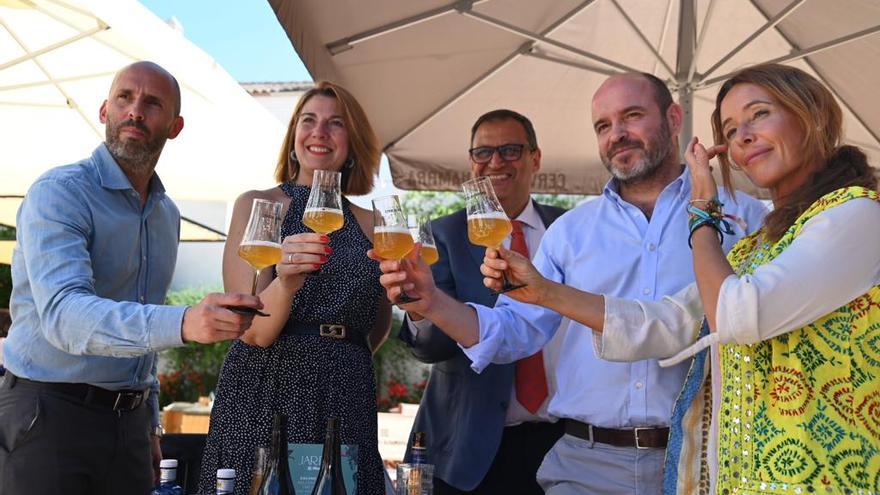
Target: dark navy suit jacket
point(462, 412)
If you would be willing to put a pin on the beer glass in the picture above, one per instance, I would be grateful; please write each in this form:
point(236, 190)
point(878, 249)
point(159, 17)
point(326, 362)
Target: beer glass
point(323, 213)
point(420, 228)
point(391, 237)
point(488, 224)
point(261, 244)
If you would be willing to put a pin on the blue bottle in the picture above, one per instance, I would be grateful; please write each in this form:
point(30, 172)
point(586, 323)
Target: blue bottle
point(168, 479)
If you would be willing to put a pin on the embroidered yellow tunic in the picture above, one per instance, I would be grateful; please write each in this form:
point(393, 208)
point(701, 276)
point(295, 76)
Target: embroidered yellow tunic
point(800, 413)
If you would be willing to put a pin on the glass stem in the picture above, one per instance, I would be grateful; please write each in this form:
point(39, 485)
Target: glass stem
point(254, 285)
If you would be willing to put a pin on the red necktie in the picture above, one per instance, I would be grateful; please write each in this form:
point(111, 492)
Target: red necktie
point(531, 381)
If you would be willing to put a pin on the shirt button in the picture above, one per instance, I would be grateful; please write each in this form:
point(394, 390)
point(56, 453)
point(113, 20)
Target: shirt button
point(639, 385)
point(646, 291)
point(652, 247)
point(141, 298)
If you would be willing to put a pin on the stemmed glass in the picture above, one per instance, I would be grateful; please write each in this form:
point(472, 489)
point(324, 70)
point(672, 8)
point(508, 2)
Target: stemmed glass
point(323, 213)
point(420, 228)
point(488, 224)
point(391, 238)
point(261, 244)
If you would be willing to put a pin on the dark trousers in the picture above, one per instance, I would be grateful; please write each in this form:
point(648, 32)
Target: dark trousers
point(52, 444)
point(519, 456)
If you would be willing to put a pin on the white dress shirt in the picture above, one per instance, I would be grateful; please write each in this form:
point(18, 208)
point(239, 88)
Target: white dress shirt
point(606, 246)
point(533, 230)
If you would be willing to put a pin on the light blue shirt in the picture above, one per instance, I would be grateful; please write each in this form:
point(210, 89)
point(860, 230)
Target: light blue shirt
point(607, 246)
point(89, 273)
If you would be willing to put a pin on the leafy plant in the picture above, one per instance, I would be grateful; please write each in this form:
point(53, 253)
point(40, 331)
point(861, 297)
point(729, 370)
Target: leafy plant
point(193, 369)
point(435, 204)
point(400, 377)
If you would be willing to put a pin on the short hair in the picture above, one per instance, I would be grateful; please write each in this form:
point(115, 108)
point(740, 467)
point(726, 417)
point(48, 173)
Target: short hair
point(363, 142)
point(662, 95)
point(505, 114)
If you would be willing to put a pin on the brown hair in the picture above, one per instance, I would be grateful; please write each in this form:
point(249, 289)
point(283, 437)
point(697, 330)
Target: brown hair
point(363, 143)
point(821, 122)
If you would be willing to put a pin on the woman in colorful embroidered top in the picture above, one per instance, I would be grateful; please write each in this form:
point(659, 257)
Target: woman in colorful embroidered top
point(792, 315)
point(310, 358)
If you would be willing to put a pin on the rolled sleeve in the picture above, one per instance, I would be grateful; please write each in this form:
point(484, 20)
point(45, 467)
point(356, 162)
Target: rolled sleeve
point(637, 330)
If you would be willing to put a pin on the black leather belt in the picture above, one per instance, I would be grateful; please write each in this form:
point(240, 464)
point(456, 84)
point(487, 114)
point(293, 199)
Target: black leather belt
point(328, 330)
point(640, 438)
point(114, 400)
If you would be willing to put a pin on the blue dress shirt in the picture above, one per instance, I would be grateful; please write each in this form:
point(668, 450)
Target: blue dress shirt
point(607, 246)
point(89, 273)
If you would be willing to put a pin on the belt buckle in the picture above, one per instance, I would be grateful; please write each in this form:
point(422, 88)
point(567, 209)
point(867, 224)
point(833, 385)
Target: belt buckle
point(636, 435)
point(127, 401)
point(332, 331)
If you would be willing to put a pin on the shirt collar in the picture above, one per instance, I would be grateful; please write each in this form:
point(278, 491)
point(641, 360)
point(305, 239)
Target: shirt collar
point(111, 176)
point(681, 185)
point(529, 216)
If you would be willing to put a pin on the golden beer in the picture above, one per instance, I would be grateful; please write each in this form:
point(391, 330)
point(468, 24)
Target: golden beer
point(323, 220)
point(429, 254)
point(260, 254)
point(488, 230)
point(392, 243)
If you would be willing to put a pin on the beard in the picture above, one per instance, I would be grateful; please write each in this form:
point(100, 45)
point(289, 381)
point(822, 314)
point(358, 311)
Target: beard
point(654, 154)
point(131, 155)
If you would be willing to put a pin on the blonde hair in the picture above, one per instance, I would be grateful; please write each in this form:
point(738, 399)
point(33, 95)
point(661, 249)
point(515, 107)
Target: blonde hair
point(363, 143)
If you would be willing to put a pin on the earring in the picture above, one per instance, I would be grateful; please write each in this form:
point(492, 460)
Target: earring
point(295, 161)
point(350, 162)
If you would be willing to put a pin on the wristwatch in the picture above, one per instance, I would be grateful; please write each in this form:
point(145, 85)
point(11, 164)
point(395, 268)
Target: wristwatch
point(157, 431)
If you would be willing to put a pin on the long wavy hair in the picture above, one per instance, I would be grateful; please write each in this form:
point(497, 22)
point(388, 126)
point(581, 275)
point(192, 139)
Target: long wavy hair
point(821, 124)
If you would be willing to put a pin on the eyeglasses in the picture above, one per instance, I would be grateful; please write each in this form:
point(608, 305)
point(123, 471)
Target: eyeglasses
point(507, 152)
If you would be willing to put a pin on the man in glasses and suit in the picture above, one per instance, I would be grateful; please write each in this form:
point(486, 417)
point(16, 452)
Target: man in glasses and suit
point(487, 433)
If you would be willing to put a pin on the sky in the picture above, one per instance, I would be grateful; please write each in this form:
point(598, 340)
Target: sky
point(244, 36)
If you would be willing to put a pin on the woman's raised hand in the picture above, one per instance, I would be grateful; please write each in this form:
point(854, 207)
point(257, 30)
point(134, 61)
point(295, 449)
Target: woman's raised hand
point(697, 158)
point(301, 254)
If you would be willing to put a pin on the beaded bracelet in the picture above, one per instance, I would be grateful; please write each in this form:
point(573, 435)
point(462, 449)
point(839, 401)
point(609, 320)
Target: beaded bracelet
point(711, 216)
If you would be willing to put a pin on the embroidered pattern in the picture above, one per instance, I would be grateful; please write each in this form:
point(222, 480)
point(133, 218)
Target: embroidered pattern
point(800, 413)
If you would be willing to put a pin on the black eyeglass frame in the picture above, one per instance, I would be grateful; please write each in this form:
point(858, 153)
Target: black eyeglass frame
point(516, 148)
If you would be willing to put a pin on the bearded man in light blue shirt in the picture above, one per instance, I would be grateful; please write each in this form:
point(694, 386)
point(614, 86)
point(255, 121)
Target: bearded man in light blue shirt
point(97, 245)
point(630, 242)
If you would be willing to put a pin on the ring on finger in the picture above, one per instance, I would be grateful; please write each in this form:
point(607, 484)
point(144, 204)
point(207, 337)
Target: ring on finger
point(290, 258)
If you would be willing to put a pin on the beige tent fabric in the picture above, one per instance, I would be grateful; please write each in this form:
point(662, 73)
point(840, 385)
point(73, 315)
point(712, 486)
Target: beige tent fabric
point(57, 60)
point(425, 70)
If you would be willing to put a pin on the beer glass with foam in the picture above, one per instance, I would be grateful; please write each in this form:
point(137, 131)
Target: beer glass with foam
point(391, 237)
point(323, 213)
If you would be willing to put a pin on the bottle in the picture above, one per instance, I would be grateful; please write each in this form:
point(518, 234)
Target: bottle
point(277, 478)
point(167, 479)
point(225, 481)
point(416, 477)
point(330, 480)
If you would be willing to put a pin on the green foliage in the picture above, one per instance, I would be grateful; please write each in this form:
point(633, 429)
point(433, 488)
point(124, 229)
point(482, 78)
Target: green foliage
point(194, 368)
point(434, 204)
point(399, 376)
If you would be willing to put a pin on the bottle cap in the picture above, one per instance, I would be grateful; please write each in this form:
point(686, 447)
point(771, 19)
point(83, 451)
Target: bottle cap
point(168, 463)
point(226, 474)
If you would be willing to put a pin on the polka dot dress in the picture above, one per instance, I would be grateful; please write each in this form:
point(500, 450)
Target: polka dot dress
point(309, 378)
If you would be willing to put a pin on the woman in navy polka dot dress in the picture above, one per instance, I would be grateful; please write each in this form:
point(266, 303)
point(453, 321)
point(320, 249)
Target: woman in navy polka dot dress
point(294, 361)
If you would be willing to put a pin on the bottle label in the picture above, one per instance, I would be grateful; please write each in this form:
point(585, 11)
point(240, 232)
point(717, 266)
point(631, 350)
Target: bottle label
point(225, 486)
point(168, 475)
point(418, 455)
